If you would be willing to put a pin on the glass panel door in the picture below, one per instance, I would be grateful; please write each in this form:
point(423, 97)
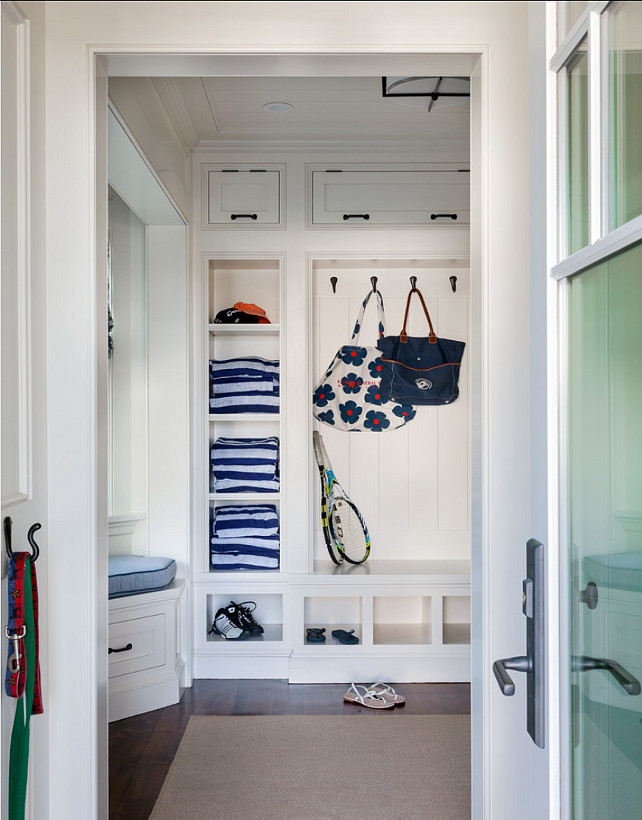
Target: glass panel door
point(605, 538)
point(577, 151)
point(624, 21)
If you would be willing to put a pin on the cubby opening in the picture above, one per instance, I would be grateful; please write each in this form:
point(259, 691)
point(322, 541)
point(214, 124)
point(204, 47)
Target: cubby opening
point(268, 613)
point(456, 619)
point(401, 620)
point(332, 613)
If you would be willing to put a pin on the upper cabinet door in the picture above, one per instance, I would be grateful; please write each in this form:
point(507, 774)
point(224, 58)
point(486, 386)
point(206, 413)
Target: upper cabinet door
point(242, 198)
point(400, 198)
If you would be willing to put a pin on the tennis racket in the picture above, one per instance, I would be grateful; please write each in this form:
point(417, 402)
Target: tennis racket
point(325, 493)
point(347, 530)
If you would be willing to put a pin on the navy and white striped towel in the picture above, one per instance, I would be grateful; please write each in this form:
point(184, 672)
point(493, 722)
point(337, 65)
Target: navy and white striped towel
point(244, 553)
point(243, 520)
point(245, 464)
point(244, 385)
point(249, 366)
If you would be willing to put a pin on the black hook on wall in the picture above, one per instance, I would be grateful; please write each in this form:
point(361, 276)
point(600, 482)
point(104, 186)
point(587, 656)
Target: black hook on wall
point(32, 543)
point(413, 282)
point(333, 282)
point(453, 283)
point(374, 280)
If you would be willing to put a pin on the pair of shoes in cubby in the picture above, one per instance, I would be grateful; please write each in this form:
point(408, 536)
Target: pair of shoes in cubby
point(376, 696)
point(235, 622)
point(314, 635)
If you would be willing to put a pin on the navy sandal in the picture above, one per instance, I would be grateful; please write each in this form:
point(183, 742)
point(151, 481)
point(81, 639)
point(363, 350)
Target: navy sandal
point(314, 635)
point(345, 637)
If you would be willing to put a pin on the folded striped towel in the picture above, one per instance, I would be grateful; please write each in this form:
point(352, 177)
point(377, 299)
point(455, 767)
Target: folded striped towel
point(244, 553)
point(245, 464)
point(242, 520)
point(244, 562)
point(249, 366)
point(245, 403)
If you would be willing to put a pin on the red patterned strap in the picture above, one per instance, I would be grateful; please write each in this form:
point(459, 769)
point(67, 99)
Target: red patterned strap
point(16, 629)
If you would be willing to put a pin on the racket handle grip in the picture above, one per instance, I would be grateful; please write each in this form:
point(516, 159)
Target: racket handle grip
point(316, 443)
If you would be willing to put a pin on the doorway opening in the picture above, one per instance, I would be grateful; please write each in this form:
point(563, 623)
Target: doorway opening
point(215, 254)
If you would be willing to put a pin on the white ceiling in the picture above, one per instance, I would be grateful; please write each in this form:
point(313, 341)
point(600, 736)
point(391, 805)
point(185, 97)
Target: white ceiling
point(225, 112)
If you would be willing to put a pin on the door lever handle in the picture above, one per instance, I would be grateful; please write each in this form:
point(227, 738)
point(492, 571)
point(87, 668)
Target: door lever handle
point(584, 663)
point(520, 663)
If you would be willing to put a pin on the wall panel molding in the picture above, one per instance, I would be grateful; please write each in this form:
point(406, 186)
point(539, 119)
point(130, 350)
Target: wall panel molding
point(17, 470)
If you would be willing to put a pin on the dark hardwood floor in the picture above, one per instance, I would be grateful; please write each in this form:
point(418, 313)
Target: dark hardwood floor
point(142, 748)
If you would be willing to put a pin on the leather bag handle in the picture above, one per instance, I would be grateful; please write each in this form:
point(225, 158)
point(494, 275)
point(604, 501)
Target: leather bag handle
point(403, 336)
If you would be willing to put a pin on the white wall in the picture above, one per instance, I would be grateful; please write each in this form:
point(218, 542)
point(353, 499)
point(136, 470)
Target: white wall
point(499, 30)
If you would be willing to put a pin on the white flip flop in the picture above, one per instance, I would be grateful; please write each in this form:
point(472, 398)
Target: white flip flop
point(362, 696)
point(386, 692)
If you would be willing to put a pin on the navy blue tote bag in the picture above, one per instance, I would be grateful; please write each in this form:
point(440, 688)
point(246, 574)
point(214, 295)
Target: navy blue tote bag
point(420, 370)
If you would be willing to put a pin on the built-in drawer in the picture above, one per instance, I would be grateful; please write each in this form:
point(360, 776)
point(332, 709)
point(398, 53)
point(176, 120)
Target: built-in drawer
point(397, 198)
point(136, 645)
point(241, 198)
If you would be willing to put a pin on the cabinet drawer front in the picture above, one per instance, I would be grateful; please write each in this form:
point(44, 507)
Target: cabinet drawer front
point(241, 199)
point(363, 198)
point(145, 636)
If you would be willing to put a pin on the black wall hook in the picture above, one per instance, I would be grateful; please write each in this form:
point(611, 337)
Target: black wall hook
point(34, 547)
point(373, 279)
point(333, 282)
point(7, 539)
point(413, 282)
point(453, 283)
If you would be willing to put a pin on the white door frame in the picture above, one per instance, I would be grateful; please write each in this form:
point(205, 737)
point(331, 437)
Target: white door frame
point(92, 458)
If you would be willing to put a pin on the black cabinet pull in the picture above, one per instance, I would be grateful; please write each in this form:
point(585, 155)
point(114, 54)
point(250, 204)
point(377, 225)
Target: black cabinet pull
point(122, 649)
point(445, 216)
point(356, 216)
point(243, 216)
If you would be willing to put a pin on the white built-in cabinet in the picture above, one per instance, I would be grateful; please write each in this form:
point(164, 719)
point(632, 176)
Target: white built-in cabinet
point(409, 603)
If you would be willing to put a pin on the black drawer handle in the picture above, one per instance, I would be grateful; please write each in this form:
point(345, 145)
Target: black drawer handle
point(356, 216)
point(243, 216)
point(122, 649)
point(445, 216)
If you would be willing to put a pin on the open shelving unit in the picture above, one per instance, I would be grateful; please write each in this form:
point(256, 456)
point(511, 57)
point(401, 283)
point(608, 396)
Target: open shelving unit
point(409, 603)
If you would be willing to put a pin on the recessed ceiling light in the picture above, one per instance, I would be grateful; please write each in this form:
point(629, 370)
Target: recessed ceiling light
point(278, 107)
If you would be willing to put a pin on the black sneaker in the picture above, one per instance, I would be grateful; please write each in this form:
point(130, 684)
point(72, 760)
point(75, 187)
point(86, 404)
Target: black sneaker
point(228, 624)
point(246, 618)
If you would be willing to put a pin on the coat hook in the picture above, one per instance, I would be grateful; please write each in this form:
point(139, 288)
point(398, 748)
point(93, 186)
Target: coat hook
point(453, 283)
point(413, 282)
point(7, 536)
point(333, 282)
point(373, 279)
point(34, 547)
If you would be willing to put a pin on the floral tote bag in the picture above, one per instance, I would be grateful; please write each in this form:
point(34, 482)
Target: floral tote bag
point(347, 396)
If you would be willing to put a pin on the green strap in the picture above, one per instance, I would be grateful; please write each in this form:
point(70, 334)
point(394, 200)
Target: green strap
point(19, 754)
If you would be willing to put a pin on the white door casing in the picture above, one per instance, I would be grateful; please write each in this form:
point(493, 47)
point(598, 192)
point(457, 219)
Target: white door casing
point(23, 455)
point(499, 255)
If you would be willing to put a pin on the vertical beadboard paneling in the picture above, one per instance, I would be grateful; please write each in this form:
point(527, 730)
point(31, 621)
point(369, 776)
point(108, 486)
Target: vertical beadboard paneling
point(410, 484)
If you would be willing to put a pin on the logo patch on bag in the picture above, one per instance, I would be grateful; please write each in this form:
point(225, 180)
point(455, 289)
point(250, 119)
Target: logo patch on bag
point(423, 384)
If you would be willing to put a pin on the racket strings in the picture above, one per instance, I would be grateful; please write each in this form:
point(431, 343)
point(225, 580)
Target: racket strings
point(349, 531)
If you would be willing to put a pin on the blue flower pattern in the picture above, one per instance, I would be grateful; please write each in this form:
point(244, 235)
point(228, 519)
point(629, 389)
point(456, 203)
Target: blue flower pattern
point(353, 355)
point(350, 412)
point(327, 417)
point(351, 383)
point(376, 421)
point(376, 368)
point(373, 395)
point(322, 395)
point(405, 411)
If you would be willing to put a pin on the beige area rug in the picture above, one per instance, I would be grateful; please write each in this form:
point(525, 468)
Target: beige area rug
point(353, 767)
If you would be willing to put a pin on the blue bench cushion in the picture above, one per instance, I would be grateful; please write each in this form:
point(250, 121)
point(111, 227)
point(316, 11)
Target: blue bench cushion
point(134, 574)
